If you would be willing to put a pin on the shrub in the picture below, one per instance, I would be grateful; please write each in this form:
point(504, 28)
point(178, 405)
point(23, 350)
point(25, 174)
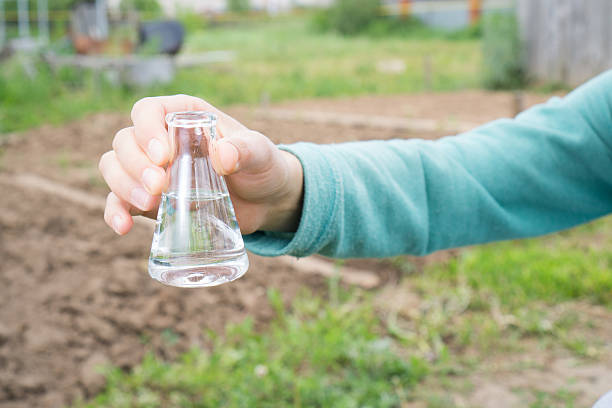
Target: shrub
point(149, 7)
point(349, 17)
point(503, 58)
point(238, 6)
point(401, 27)
point(191, 21)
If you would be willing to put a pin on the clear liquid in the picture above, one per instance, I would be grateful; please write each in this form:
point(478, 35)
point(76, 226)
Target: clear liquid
point(197, 241)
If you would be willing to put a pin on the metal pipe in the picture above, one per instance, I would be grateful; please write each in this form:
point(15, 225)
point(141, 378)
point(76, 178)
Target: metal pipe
point(24, 18)
point(43, 21)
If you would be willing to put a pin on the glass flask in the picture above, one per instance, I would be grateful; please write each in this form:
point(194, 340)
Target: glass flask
point(197, 240)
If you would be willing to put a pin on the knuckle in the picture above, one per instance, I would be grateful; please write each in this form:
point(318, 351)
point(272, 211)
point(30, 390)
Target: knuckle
point(120, 136)
point(243, 147)
point(140, 105)
point(193, 102)
point(103, 163)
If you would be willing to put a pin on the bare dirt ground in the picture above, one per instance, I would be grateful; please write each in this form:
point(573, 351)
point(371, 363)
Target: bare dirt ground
point(73, 295)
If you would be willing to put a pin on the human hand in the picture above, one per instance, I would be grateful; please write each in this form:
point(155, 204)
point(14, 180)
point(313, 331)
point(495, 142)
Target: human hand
point(265, 183)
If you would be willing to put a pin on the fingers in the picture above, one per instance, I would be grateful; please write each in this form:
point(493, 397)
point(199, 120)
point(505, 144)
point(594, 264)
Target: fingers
point(148, 116)
point(136, 163)
point(123, 185)
point(246, 150)
point(117, 215)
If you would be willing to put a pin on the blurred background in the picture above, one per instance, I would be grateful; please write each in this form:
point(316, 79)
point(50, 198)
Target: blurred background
point(514, 324)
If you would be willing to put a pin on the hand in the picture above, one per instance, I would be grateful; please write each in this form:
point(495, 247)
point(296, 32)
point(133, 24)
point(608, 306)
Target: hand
point(265, 183)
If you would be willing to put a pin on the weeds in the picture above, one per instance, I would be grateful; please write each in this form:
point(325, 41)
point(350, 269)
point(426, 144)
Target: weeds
point(315, 355)
point(504, 62)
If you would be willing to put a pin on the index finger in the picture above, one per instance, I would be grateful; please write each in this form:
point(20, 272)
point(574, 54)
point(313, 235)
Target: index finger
point(148, 116)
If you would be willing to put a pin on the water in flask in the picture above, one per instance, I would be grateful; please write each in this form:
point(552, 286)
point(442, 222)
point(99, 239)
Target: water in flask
point(197, 241)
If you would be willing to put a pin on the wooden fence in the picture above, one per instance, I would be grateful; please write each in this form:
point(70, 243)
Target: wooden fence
point(566, 41)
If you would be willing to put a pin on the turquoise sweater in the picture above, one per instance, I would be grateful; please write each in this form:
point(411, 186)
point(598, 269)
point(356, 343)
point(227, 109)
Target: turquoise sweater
point(548, 169)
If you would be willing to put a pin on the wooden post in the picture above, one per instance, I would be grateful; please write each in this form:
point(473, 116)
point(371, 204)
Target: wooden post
point(574, 43)
point(427, 72)
point(405, 8)
point(2, 25)
point(475, 10)
point(518, 99)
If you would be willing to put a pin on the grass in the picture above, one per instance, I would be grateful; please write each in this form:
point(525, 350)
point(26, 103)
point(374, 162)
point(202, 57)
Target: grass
point(288, 60)
point(553, 269)
point(318, 354)
point(350, 349)
point(276, 60)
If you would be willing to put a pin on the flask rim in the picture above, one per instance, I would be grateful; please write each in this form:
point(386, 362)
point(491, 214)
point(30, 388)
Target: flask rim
point(190, 119)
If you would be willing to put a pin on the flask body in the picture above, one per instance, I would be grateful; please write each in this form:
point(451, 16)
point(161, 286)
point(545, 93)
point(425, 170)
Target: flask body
point(197, 240)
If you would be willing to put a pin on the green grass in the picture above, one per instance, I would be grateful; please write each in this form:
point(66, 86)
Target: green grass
point(493, 297)
point(286, 59)
point(318, 354)
point(276, 60)
point(552, 269)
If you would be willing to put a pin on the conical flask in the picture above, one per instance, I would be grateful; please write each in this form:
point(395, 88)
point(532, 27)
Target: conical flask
point(197, 240)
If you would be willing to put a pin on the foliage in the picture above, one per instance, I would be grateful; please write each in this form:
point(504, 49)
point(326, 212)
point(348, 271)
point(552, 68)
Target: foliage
point(10, 7)
point(504, 63)
point(396, 26)
point(471, 32)
point(319, 354)
point(325, 20)
point(349, 17)
point(192, 22)
point(149, 7)
point(239, 6)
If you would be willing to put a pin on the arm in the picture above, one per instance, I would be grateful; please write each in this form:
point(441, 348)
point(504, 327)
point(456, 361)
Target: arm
point(547, 170)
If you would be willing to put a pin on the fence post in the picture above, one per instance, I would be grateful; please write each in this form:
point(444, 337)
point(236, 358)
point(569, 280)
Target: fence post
point(42, 14)
point(428, 72)
point(2, 25)
point(475, 10)
point(405, 8)
point(24, 18)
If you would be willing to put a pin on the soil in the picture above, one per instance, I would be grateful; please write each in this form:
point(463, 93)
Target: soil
point(74, 296)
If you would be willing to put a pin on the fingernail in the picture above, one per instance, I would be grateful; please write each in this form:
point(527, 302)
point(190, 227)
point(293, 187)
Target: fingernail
point(140, 198)
point(150, 179)
point(156, 151)
point(228, 155)
point(116, 223)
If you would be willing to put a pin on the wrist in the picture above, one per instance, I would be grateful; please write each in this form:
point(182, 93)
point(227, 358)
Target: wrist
point(284, 213)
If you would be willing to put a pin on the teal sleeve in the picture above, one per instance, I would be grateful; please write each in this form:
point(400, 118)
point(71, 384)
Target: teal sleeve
point(548, 169)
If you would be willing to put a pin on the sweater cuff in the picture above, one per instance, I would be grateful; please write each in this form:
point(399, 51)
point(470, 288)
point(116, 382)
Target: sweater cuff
point(322, 198)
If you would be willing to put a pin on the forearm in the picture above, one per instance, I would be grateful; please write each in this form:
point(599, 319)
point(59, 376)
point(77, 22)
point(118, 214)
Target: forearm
point(547, 170)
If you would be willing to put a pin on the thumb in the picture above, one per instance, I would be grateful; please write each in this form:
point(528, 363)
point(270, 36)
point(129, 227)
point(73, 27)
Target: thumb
point(245, 151)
